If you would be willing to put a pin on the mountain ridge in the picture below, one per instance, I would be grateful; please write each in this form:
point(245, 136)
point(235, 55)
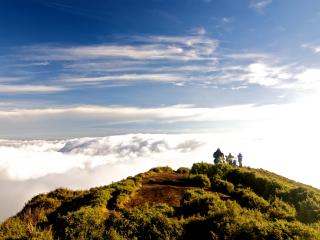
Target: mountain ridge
point(208, 201)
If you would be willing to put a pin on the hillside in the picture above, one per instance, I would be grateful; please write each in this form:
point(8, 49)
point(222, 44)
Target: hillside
point(205, 202)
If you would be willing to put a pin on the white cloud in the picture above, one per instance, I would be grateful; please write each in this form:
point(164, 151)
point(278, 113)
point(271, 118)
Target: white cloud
point(249, 56)
point(223, 23)
point(198, 31)
point(315, 48)
point(33, 167)
point(10, 79)
point(130, 77)
point(121, 114)
point(249, 71)
point(259, 73)
point(23, 160)
point(181, 60)
point(260, 5)
point(30, 88)
point(195, 47)
point(71, 120)
point(309, 79)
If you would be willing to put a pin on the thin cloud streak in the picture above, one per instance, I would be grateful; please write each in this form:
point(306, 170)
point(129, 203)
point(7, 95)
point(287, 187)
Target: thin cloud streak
point(179, 60)
point(260, 5)
point(130, 77)
point(314, 47)
point(118, 114)
point(152, 48)
point(27, 89)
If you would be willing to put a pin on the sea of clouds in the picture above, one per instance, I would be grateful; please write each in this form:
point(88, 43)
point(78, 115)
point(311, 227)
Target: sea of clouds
point(30, 167)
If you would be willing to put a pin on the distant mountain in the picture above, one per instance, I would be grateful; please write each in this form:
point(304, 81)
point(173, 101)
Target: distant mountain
point(205, 202)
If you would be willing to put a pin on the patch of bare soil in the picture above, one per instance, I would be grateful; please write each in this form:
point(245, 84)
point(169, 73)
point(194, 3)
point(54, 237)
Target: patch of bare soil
point(160, 188)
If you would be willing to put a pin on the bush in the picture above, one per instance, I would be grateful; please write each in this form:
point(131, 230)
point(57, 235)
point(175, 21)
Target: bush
point(199, 202)
point(15, 228)
point(306, 202)
point(281, 210)
point(263, 186)
point(183, 170)
point(100, 197)
point(161, 169)
point(222, 186)
point(144, 223)
point(86, 223)
point(200, 168)
point(199, 180)
point(247, 198)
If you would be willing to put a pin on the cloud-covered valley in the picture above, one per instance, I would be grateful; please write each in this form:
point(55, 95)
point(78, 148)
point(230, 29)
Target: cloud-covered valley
point(23, 160)
point(28, 167)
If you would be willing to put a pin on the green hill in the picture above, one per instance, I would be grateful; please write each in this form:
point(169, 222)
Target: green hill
point(205, 202)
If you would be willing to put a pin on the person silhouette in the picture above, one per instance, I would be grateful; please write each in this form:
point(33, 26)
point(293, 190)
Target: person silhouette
point(240, 157)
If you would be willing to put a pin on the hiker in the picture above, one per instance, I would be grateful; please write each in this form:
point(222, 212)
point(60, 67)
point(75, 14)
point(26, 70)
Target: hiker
point(234, 163)
point(218, 157)
point(240, 159)
point(229, 159)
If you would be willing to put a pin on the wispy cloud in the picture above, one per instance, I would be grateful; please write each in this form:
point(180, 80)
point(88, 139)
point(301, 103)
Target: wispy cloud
point(144, 48)
point(314, 47)
point(5, 79)
point(25, 89)
point(198, 31)
point(84, 118)
point(248, 56)
point(130, 77)
point(224, 22)
point(194, 59)
point(120, 114)
point(309, 79)
point(259, 5)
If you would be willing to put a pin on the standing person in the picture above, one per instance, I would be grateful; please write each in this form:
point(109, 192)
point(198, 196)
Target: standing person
point(240, 159)
point(218, 157)
point(234, 163)
point(229, 159)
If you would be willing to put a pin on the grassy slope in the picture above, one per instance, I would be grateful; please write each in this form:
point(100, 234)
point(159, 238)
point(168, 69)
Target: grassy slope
point(210, 202)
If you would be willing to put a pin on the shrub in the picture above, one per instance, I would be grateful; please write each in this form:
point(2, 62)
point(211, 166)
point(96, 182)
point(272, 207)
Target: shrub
point(183, 170)
point(161, 169)
point(247, 198)
point(222, 186)
point(144, 223)
point(15, 228)
point(199, 180)
point(263, 186)
point(100, 197)
point(199, 202)
point(306, 202)
point(281, 210)
point(86, 223)
point(201, 168)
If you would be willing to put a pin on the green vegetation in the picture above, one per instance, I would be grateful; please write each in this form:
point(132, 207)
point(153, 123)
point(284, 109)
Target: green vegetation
point(208, 201)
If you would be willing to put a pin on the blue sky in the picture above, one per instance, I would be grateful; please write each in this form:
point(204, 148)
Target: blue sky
point(133, 56)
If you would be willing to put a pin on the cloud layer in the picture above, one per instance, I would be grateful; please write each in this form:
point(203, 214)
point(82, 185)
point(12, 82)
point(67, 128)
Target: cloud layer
point(31, 167)
point(35, 166)
point(55, 121)
point(23, 160)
